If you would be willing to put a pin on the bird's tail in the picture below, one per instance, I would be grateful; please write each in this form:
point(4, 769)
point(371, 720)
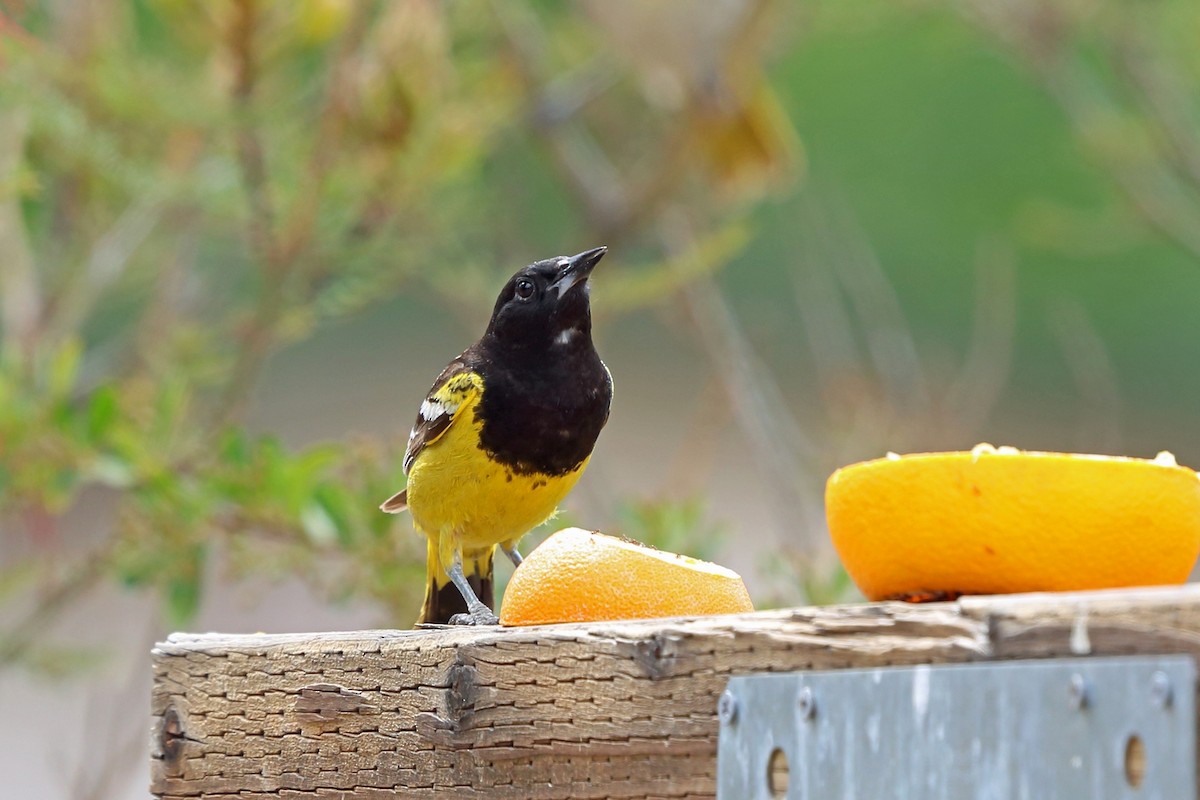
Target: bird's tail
point(442, 598)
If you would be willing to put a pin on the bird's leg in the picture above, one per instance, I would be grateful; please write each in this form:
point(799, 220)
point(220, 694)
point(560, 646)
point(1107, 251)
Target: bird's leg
point(510, 550)
point(477, 612)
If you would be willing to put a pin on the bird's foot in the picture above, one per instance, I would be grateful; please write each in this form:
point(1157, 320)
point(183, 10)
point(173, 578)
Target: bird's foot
point(483, 617)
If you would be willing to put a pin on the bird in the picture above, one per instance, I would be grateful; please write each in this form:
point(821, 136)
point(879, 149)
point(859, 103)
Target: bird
point(504, 434)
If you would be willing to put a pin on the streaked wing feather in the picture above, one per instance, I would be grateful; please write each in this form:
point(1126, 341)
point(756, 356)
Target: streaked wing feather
point(453, 388)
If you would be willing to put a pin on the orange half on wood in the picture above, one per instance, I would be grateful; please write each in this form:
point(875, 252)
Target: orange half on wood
point(998, 520)
point(584, 576)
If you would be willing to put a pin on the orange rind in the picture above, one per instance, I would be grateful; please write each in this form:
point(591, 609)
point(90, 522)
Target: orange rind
point(585, 576)
point(997, 520)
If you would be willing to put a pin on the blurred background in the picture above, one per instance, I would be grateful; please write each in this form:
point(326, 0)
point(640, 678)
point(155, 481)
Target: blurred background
point(239, 238)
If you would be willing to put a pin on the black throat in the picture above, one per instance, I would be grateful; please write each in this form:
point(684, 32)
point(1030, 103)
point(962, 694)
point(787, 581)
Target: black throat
point(542, 407)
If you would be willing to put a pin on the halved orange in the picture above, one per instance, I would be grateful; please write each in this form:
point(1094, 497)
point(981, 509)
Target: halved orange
point(585, 576)
point(997, 520)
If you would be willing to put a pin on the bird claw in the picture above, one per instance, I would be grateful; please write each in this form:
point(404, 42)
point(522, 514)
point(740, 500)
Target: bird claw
point(483, 618)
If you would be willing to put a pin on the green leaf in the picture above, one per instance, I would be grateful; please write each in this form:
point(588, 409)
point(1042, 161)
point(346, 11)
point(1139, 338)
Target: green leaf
point(338, 504)
point(169, 408)
point(234, 448)
point(101, 412)
point(319, 525)
point(136, 567)
point(111, 471)
point(184, 585)
point(64, 415)
point(64, 367)
point(61, 488)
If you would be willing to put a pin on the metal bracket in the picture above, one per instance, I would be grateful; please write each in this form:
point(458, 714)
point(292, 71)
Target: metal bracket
point(1094, 728)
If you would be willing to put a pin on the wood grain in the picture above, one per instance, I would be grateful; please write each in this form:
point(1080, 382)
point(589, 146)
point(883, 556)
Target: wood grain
point(603, 710)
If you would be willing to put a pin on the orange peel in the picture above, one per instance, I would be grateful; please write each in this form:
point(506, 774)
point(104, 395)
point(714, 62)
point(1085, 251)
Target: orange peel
point(996, 520)
point(584, 576)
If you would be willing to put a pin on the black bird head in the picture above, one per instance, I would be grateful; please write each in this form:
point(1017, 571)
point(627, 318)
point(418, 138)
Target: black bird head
point(546, 304)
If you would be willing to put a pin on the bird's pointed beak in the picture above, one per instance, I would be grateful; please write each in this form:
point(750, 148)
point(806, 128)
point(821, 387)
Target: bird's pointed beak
point(576, 270)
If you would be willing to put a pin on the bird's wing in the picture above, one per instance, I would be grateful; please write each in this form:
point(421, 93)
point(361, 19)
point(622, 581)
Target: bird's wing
point(453, 389)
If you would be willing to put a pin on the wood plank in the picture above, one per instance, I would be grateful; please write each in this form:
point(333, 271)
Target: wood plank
point(620, 710)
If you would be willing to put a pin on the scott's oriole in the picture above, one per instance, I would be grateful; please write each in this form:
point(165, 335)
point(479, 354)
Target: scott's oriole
point(504, 434)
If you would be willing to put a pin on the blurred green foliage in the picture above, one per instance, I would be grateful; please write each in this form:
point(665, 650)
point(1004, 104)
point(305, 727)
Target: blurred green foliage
point(995, 239)
point(187, 187)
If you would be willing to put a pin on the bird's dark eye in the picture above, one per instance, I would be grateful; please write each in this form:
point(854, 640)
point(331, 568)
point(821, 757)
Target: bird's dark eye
point(525, 289)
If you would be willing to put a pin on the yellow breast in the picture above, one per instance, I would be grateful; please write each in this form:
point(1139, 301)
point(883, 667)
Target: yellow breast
point(456, 490)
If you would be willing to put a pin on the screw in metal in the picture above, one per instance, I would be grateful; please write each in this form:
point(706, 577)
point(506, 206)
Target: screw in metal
point(1161, 691)
point(806, 702)
point(1078, 692)
point(727, 708)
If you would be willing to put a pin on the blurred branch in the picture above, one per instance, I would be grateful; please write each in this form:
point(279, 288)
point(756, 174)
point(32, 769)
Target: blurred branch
point(1163, 102)
point(684, 476)
point(873, 301)
point(847, 305)
point(110, 256)
point(105, 761)
point(12, 29)
point(628, 291)
point(252, 161)
point(86, 573)
point(723, 123)
point(585, 168)
point(260, 220)
point(164, 307)
point(277, 254)
point(1088, 362)
point(1151, 189)
point(327, 144)
point(787, 454)
point(20, 295)
point(1162, 181)
point(985, 371)
point(828, 329)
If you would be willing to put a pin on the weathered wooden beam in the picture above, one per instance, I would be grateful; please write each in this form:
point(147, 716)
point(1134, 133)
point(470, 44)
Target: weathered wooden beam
point(604, 710)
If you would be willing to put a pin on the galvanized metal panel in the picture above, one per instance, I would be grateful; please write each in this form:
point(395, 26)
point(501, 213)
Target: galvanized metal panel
point(1062, 728)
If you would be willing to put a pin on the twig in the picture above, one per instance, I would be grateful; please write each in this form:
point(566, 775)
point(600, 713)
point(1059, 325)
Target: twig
point(110, 257)
point(687, 471)
point(326, 145)
point(20, 294)
point(889, 339)
point(583, 166)
point(162, 310)
point(103, 761)
point(785, 451)
point(260, 221)
point(250, 152)
point(88, 570)
point(1155, 192)
point(828, 329)
point(277, 256)
point(12, 29)
point(1077, 90)
point(985, 371)
point(1163, 104)
point(1095, 377)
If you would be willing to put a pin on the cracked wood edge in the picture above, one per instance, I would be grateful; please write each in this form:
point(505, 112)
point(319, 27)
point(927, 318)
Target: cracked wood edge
point(620, 709)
